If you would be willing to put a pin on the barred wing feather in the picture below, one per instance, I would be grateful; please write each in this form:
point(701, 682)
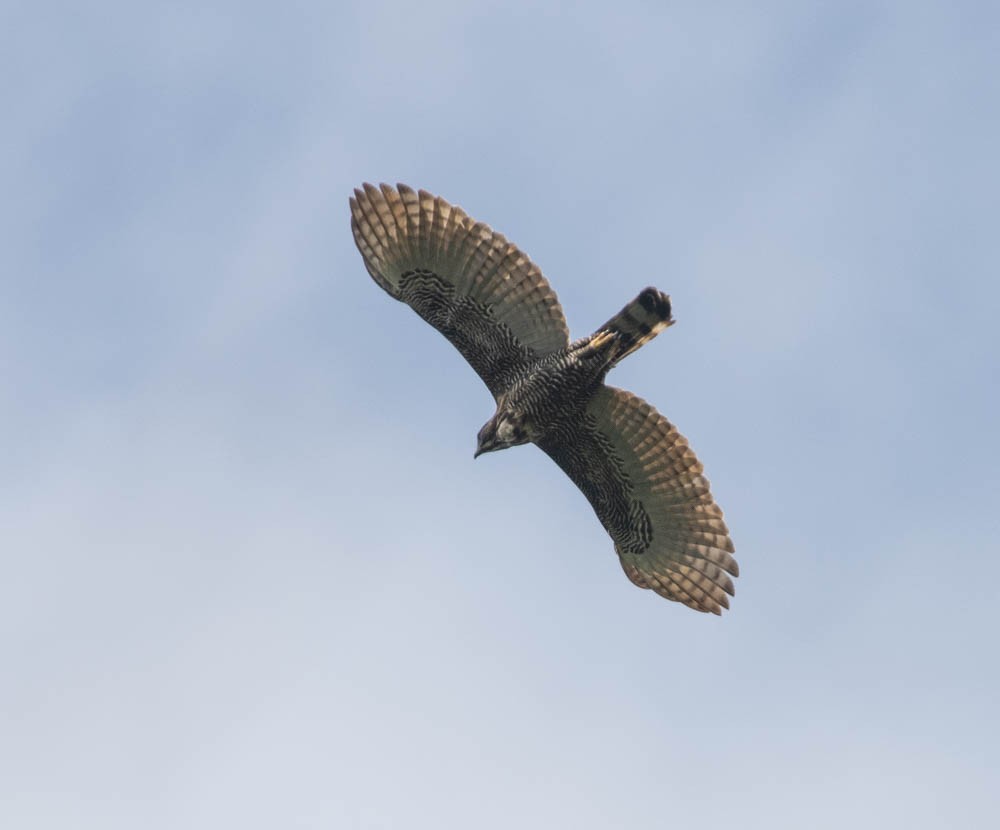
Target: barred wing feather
point(463, 278)
point(647, 488)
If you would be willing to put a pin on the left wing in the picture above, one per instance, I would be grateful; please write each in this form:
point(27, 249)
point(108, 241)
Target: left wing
point(647, 488)
point(463, 278)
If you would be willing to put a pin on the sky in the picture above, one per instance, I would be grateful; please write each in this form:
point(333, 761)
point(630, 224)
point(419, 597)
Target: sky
point(251, 574)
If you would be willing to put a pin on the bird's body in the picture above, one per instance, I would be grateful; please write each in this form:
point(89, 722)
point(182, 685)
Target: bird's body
point(495, 307)
point(551, 393)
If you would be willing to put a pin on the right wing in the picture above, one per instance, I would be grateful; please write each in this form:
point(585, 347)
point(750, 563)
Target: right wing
point(466, 280)
point(647, 488)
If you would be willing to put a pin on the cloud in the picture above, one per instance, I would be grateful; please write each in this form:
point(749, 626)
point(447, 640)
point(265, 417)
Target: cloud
point(255, 572)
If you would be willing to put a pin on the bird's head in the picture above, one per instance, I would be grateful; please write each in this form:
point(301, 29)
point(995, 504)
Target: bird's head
point(501, 431)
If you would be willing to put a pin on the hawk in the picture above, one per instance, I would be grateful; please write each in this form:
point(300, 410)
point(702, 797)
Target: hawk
point(492, 302)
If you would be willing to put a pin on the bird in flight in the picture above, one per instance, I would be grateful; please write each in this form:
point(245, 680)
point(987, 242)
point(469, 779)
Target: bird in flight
point(492, 302)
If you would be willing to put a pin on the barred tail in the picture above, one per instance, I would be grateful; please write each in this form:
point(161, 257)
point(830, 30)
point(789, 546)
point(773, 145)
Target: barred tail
point(635, 325)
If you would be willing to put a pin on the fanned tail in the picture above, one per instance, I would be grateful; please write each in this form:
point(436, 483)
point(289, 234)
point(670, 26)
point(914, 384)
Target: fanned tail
point(634, 326)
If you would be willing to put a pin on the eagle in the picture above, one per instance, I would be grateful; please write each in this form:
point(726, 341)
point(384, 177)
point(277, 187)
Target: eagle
point(492, 302)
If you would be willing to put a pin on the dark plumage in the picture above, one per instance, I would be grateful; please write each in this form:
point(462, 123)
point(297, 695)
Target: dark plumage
point(496, 308)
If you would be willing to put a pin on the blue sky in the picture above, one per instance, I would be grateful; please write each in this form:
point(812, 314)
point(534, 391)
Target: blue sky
point(252, 575)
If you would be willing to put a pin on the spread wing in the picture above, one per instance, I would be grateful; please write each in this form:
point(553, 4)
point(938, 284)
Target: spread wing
point(466, 280)
point(647, 488)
